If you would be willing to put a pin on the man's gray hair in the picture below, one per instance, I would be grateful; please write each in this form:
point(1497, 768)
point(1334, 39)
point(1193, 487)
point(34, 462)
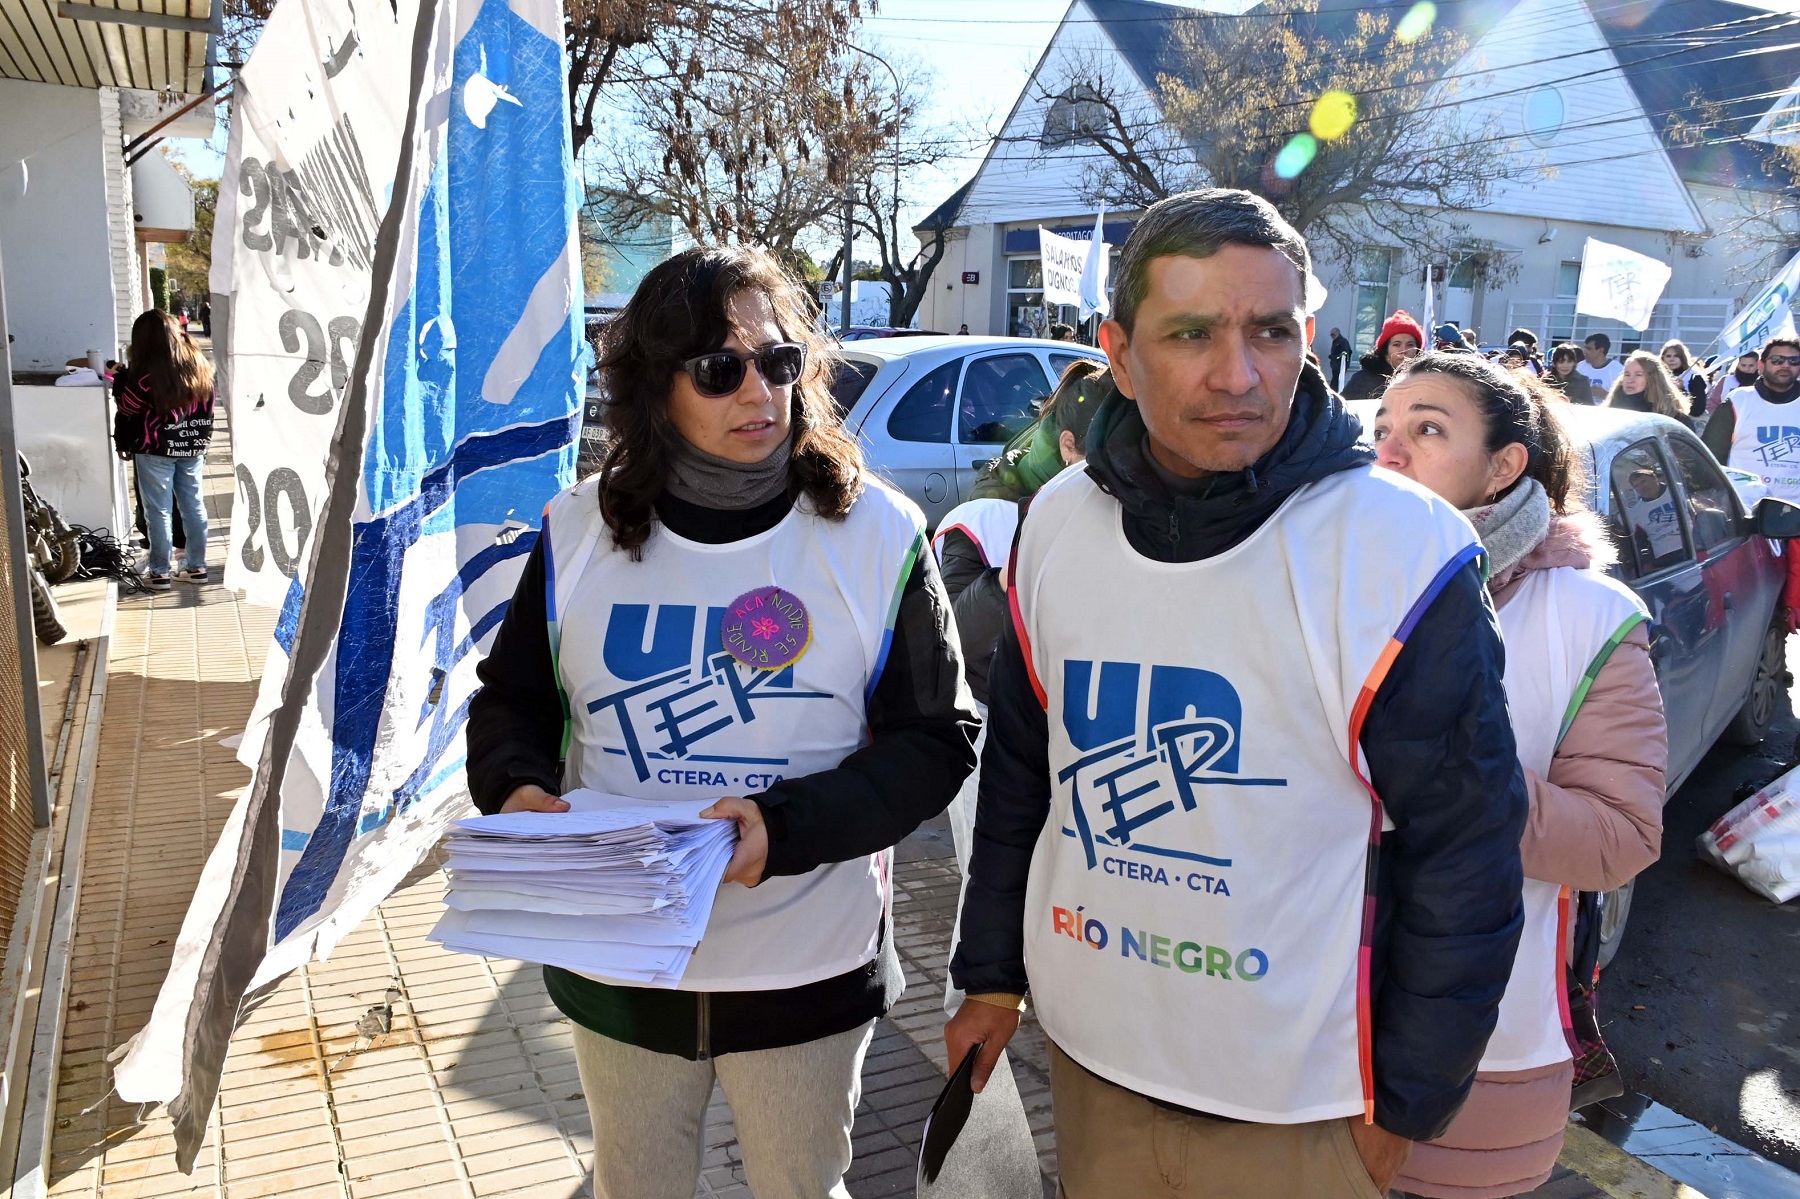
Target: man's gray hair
point(1195, 225)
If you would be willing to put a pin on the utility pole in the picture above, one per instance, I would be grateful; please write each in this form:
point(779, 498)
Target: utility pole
point(849, 237)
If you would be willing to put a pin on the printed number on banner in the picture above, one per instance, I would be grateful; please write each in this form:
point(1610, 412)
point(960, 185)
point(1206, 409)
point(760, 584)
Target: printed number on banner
point(338, 340)
point(277, 196)
point(283, 547)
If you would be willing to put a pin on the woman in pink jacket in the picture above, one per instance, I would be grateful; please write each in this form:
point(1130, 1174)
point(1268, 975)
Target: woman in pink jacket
point(1589, 723)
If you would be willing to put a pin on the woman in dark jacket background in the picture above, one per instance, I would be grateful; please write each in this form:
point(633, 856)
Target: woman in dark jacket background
point(974, 538)
point(163, 418)
point(1401, 339)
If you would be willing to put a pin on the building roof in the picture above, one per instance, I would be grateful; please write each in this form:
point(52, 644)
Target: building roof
point(1720, 66)
point(153, 45)
point(945, 215)
point(1669, 54)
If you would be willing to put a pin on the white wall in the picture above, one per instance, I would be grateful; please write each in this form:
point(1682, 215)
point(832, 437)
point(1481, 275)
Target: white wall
point(66, 435)
point(53, 225)
point(160, 197)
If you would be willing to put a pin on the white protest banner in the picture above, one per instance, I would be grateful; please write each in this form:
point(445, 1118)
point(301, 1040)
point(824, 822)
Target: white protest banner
point(454, 423)
point(1620, 284)
point(1766, 316)
point(1093, 271)
point(1063, 259)
point(315, 134)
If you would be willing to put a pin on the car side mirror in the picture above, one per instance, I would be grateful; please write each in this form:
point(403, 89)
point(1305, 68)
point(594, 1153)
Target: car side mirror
point(1776, 518)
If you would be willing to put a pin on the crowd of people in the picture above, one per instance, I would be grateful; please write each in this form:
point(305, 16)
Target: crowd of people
point(1670, 382)
point(1279, 751)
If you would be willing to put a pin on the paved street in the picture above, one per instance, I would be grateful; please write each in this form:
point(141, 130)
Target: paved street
point(1702, 1005)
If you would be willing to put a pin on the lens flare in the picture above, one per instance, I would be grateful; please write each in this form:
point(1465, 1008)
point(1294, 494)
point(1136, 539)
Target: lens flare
point(1417, 21)
point(1333, 115)
point(1296, 156)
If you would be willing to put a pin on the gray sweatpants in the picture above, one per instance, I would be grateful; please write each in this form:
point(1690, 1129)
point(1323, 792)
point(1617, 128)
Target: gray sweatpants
point(793, 1108)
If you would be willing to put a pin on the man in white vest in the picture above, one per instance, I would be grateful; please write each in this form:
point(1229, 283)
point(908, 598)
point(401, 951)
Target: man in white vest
point(1757, 428)
point(1250, 808)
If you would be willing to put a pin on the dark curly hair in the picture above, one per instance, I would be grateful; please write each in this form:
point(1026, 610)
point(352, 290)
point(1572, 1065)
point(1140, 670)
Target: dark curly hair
point(1514, 408)
point(678, 312)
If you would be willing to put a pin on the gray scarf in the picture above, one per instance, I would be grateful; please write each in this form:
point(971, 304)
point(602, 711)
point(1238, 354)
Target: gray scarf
point(1513, 526)
point(713, 482)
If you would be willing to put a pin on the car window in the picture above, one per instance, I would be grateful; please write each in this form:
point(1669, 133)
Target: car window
point(852, 380)
point(923, 413)
point(1646, 520)
point(1000, 394)
point(1712, 513)
point(1060, 363)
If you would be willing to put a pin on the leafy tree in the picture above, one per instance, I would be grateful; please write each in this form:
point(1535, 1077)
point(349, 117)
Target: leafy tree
point(190, 261)
point(1346, 122)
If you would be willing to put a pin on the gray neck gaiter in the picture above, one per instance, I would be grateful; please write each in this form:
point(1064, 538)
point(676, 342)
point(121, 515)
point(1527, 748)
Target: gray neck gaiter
point(713, 482)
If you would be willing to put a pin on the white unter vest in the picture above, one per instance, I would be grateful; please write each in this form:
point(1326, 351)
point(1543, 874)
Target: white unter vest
point(989, 523)
point(1198, 899)
point(1765, 441)
point(660, 710)
point(1560, 627)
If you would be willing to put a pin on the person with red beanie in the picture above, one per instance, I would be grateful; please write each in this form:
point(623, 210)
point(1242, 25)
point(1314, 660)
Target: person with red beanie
point(1401, 339)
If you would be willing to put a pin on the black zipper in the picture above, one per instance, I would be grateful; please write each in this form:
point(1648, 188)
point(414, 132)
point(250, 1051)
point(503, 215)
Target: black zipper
point(702, 1027)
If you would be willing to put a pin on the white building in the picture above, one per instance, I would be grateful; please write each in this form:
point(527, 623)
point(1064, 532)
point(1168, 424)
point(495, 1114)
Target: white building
point(82, 86)
point(1586, 91)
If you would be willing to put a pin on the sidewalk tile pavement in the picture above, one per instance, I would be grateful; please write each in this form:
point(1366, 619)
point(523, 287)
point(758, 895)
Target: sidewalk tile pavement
point(394, 1068)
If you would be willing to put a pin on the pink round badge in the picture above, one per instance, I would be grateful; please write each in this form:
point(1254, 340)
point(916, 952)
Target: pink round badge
point(767, 628)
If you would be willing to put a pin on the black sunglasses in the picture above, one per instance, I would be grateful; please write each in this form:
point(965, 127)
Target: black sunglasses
point(722, 372)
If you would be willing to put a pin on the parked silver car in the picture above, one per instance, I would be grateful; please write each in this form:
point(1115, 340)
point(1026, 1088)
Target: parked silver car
point(932, 411)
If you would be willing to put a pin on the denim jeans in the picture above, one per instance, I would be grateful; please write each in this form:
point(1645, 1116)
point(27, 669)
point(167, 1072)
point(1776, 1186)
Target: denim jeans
point(166, 482)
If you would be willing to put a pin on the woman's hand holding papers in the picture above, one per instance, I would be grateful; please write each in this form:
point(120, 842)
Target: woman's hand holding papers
point(532, 798)
point(752, 852)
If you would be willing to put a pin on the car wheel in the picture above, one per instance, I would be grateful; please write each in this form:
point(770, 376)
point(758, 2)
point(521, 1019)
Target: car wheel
point(1615, 910)
point(1753, 719)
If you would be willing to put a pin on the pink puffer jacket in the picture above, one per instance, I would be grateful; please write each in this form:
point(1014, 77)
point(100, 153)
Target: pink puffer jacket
point(1596, 821)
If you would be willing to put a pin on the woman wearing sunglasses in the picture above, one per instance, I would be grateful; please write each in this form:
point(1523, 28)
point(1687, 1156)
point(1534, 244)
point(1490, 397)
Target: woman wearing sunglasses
point(733, 610)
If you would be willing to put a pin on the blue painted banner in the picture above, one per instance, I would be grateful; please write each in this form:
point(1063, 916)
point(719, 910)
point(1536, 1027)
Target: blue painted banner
point(458, 422)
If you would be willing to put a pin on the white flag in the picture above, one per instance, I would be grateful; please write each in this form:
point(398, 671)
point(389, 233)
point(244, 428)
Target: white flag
point(1063, 259)
point(1430, 311)
point(451, 423)
point(1093, 272)
point(1768, 315)
point(1620, 284)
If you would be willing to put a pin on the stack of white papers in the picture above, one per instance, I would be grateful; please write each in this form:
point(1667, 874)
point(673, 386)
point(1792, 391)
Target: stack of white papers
point(616, 887)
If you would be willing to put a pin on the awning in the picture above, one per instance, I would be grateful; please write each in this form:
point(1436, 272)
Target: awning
point(153, 45)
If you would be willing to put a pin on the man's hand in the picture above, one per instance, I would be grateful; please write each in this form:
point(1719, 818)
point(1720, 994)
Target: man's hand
point(1382, 1152)
point(532, 798)
point(987, 1024)
point(752, 852)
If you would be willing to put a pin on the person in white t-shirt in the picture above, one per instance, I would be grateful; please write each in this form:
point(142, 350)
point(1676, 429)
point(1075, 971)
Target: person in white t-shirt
point(1601, 368)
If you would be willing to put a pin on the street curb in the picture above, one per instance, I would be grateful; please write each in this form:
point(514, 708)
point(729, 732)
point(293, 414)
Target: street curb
point(37, 1127)
point(1617, 1172)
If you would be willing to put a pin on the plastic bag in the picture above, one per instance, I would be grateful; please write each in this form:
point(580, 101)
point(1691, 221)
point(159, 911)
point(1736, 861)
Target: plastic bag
point(1758, 841)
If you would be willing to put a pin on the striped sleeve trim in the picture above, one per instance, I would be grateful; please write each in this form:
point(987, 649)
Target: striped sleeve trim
point(893, 614)
point(1384, 662)
point(553, 619)
point(1593, 672)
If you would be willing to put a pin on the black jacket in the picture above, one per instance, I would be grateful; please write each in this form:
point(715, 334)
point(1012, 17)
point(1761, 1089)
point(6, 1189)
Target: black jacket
point(139, 429)
point(921, 748)
point(1439, 748)
point(1371, 379)
point(979, 603)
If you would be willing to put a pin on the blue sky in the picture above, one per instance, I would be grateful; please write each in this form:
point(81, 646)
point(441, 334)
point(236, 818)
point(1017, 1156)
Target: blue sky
point(978, 54)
